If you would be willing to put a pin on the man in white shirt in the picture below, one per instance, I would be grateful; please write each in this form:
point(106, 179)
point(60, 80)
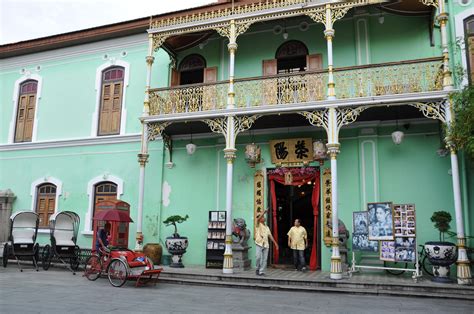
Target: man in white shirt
point(298, 242)
point(262, 234)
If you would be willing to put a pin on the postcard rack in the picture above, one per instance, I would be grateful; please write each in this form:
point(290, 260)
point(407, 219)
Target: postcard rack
point(215, 245)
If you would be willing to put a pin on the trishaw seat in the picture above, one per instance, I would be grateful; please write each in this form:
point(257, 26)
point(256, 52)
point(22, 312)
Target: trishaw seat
point(64, 237)
point(23, 236)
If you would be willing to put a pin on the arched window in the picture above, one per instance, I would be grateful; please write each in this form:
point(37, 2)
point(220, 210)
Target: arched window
point(191, 70)
point(26, 111)
point(469, 33)
point(45, 202)
point(111, 101)
point(104, 191)
point(291, 57)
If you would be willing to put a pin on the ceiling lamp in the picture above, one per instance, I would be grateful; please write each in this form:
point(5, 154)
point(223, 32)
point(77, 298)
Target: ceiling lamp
point(191, 147)
point(397, 137)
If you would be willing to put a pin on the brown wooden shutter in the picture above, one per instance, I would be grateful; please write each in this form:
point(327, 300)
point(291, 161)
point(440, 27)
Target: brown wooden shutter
point(175, 76)
point(111, 108)
point(314, 62)
point(116, 108)
point(25, 118)
point(470, 43)
point(21, 117)
point(45, 208)
point(270, 89)
point(210, 75)
point(269, 67)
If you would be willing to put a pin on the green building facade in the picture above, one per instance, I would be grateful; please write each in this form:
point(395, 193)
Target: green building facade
point(389, 74)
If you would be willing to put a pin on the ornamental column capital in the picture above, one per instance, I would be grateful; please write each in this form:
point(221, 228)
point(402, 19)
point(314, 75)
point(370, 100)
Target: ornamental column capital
point(333, 149)
point(143, 159)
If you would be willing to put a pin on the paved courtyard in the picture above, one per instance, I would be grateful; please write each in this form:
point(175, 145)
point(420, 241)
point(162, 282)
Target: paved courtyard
point(58, 291)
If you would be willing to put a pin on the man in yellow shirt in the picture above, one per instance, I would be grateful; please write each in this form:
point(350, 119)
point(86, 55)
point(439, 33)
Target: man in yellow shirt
point(262, 234)
point(298, 242)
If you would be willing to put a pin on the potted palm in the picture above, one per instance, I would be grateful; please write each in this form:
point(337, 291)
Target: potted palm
point(176, 244)
point(441, 254)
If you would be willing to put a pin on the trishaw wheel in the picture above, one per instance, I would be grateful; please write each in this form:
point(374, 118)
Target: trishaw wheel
point(6, 252)
point(75, 260)
point(117, 272)
point(46, 257)
point(93, 267)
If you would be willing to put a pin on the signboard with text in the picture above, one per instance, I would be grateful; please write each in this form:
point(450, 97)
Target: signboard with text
point(292, 151)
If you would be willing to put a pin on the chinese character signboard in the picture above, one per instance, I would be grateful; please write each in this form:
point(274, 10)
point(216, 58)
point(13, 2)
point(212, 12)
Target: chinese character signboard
point(327, 211)
point(292, 151)
point(258, 197)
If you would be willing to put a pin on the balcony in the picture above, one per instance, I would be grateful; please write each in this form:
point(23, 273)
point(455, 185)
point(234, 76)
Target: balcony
point(413, 76)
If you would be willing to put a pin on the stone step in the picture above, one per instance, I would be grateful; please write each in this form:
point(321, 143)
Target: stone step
point(352, 286)
point(328, 289)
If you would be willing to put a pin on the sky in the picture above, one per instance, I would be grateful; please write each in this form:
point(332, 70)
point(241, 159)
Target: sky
point(28, 19)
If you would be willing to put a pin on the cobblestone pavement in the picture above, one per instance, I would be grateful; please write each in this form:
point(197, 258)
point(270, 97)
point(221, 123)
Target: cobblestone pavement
point(58, 291)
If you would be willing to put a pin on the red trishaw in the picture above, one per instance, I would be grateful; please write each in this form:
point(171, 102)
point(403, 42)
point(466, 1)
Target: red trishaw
point(118, 262)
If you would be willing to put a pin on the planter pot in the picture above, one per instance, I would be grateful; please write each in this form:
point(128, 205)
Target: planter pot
point(176, 246)
point(154, 251)
point(441, 255)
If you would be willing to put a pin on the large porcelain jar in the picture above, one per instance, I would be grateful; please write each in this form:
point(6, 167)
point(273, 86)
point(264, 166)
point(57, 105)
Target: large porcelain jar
point(441, 255)
point(176, 246)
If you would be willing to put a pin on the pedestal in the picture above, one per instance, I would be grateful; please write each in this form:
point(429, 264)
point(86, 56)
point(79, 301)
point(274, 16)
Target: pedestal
point(241, 257)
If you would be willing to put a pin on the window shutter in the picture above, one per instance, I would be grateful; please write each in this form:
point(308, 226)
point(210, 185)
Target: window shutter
point(210, 75)
point(30, 118)
point(174, 77)
point(116, 108)
point(314, 62)
point(470, 43)
point(269, 67)
point(21, 118)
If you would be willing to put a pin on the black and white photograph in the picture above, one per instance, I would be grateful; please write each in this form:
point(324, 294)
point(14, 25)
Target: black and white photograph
point(380, 221)
point(222, 216)
point(360, 222)
point(210, 245)
point(361, 242)
point(214, 216)
point(387, 251)
point(405, 249)
point(404, 220)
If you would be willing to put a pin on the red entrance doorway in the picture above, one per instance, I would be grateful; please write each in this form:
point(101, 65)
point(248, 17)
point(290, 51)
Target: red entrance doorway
point(294, 195)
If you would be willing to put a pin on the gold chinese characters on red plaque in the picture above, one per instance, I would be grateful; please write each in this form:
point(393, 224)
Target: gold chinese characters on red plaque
point(258, 197)
point(298, 151)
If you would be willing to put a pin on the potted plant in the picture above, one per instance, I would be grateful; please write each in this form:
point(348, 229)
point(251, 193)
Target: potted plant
point(441, 254)
point(176, 244)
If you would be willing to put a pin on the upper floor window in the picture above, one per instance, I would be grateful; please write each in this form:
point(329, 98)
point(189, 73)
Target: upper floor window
point(45, 202)
point(26, 111)
point(193, 70)
point(292, 56)
point(111, 101)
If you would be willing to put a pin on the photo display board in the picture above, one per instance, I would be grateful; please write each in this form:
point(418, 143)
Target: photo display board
point(215, 246)
point(388, 229)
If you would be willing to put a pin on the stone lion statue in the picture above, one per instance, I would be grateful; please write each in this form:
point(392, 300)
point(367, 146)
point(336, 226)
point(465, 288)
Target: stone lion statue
point(240, 233)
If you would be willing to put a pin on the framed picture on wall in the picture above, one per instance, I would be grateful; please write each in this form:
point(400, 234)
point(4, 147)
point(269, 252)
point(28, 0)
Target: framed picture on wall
point(360, 223)
point(387, 251)
point(380, 221)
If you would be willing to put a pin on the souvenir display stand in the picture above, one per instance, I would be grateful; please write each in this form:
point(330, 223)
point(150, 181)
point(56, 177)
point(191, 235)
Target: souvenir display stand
point(392, 229)
point(215, 245)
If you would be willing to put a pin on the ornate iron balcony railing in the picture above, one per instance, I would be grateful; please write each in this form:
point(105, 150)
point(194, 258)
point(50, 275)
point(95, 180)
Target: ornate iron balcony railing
point(412, 76)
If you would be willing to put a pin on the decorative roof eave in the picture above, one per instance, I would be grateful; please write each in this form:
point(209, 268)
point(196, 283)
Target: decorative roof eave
point(248, 14)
